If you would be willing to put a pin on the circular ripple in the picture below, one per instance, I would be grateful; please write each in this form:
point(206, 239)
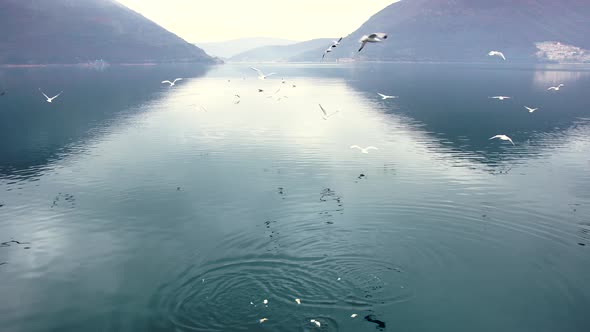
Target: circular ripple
point(217, 296)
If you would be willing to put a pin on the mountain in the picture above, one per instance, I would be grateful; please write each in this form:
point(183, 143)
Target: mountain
point(466, 30)
point(75, 31)
point(284, 53)
point(229, 48)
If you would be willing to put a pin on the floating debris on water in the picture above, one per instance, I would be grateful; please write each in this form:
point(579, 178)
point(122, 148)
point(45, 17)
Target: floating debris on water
point(582, 244)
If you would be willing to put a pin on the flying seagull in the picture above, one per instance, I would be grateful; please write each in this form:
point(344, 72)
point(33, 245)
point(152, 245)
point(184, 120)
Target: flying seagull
point(263, 320)
point(555, 88)
point(261, 75)
point(49, 100)
point(372, 38)
point(500, 98)
point(325, 115)
point(335, 43)
point(497, 53)
point(384, 97)
point(173, 83)
point(503, 138)
point(364, 150)
point(531, 110)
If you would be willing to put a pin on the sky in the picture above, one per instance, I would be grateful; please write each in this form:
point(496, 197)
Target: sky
point(220, 20)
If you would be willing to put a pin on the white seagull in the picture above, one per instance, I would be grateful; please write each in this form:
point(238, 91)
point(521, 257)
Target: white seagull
point(318, 324)
point(555, 88)
point(503, 138)
point(325, 115)
point(385, 97)
point(500, 98)
point(49, 100)
point(335, 43)
point(263, 320)
point(364, 150)
point(353, 316)
point(173, 83)
point(372, 38)
point(261, 75)
point(531, 110)
point(298, 301)
point(497, 53)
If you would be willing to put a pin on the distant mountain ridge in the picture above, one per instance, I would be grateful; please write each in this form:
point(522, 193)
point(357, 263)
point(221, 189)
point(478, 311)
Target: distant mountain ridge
point(75, 31)
point(284, 53)
point(466, 30)
point(229, 48)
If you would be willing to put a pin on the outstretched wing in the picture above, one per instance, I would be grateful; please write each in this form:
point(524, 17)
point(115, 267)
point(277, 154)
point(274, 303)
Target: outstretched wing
point(43, 93)
point(356, 147)
point(339, 40)
point(269, 75)
point(166, 82)
point(178, 79)
point(257, 70)
point(57, 95)
point(497, 136)
point(323, 110)
point(382, 95)
point(362, 45)
point(371, 148)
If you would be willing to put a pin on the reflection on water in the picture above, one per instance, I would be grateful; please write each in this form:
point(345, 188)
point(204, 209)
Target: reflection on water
point(180, 210)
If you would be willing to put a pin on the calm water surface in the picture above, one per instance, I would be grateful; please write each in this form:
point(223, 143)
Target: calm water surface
point(136, 207)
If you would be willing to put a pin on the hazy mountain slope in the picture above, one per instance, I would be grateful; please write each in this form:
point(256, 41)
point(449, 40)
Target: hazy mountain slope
point(282, 53)
point(227, 49)
point(465, 30)
point(72, 31)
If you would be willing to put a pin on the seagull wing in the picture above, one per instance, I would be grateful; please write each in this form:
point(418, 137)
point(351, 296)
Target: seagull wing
point(269, 75)
point(167, 82)
point(57, 95)
point(371, 148)
point(497, 136)
point(510, 139)
point(363, 43)
point(339, 40)
point(323, 110)
point(176, 80)
point(356, 147)
point(44, 95)
point(256, 70)
point(502, 55)
point(382, 95)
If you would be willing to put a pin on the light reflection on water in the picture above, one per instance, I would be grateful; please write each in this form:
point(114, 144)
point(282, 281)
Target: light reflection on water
point(164, 217)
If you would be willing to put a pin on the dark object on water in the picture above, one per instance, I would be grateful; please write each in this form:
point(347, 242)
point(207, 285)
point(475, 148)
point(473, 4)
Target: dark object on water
point(362, 176)
point(582, 244)
point(260, 90)
point(178, 188)
point(372, 319)
point(2, 93)
point(3, 263)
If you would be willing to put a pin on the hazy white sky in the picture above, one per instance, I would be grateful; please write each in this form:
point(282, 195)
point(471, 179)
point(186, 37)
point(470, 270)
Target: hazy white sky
point(218, 20)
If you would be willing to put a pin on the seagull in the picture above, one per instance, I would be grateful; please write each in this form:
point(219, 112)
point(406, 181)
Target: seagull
point(326, 116)
point(49, 100)
point(173, 83)
point(263, 320)
point(497, 53)
point(531, 110)
point(500, 98)
point(503, 138)
point(385, 97)
point(364, 150)
point(298, 301)
point(318, 324)
point(261, 75)
point(265, 301)
point(555, 88)
point(372, 38)
point(353, 315)
point(335, 43)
